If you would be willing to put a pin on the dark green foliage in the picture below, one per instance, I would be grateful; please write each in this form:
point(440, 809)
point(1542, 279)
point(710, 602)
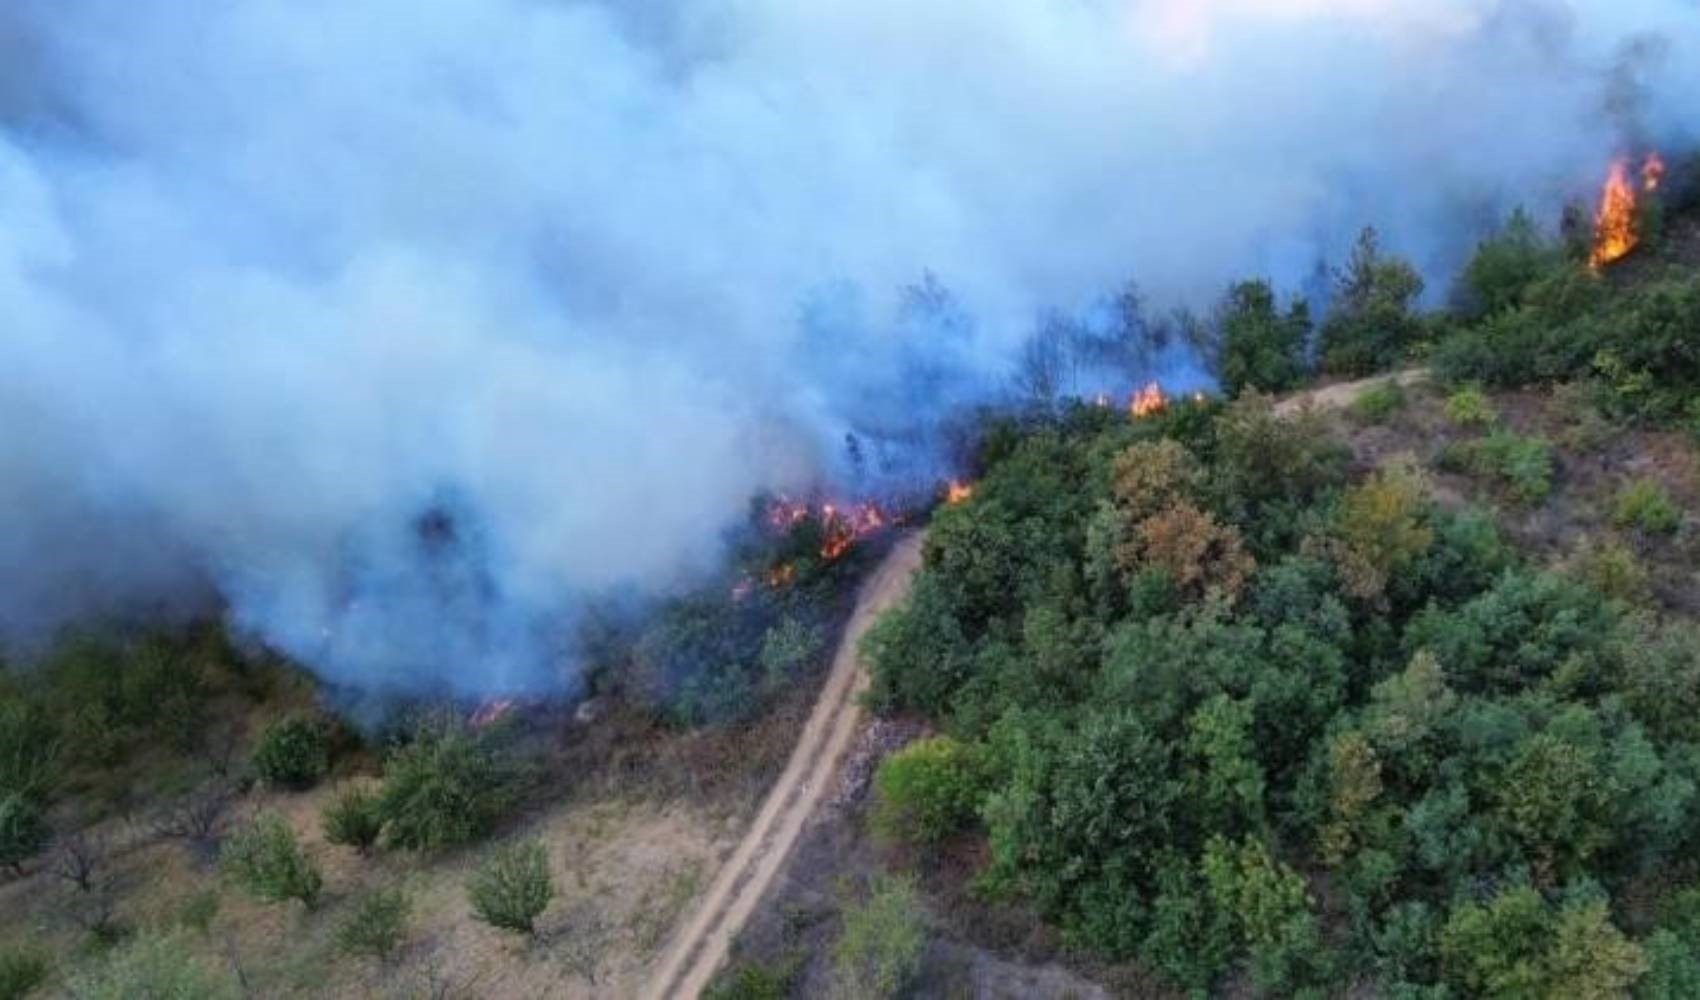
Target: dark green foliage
point(23, 830)
point(1506, 265)
point(927, 790)
point(1517, 634)
point(293, 753)
point(447, 786)
point(753, 981)
point(1257, 346)
point(22, 971)
point(376, 925)
point(1371, 324)
point(29, 749)
point(353, 818)
point(512, 887)
point(264, 858)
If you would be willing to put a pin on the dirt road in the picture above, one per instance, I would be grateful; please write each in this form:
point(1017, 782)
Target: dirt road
point(700, 945)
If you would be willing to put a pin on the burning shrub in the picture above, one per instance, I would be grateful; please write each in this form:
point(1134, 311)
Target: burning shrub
point(263, 857)
point(513, 887)
point(447, 786)
point(293, 753)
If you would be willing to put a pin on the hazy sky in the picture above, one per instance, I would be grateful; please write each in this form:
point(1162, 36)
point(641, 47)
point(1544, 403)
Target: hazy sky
point(277, 276)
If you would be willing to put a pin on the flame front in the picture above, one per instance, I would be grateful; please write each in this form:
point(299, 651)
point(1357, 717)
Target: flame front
point(1147, 401)
point(958, 491)
point(1615, 223)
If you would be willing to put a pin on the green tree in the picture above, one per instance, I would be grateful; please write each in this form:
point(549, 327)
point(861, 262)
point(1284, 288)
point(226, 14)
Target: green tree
point(264, 858)
point(1371, 325)
point(1257, 345)
point(293, 753)
point(152, 965)
point(1506, 264)
point(512, 887)
point(23, 830)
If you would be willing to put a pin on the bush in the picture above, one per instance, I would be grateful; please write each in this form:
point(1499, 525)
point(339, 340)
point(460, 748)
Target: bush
point(1611, 568)
point(1469, 407)
point(754, 981)
point(23, 830)
point(1644, 504)
point(880, 949)
point(1521, 466)
point(1375, 404)
point(376, 925)
point(293, 753)
point(21, 971)
point(1507, 264)
point(352, 819)
point(446, 787)
point(29, 749)
point(150, 966)
point(927, 790)
point(264, 858)
point(512, 887)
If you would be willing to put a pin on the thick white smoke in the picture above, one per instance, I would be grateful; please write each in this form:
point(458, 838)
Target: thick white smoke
point(402, 325)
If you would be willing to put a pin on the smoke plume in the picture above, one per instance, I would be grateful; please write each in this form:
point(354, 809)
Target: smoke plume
point(399, 328)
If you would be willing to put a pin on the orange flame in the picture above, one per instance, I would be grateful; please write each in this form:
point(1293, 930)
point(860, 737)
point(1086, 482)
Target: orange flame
point(1614, 224)
point(958, 491)
point(1147, 401)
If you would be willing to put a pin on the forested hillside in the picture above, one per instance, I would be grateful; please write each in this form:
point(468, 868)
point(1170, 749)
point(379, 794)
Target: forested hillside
point(1403, 699)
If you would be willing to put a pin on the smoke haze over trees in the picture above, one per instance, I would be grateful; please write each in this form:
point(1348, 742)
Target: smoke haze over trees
point(402, 328)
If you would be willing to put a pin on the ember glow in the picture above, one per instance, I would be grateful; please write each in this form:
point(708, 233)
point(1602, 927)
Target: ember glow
point(1615, 232)
point(1147, 401)
point(958, 491)
point(842, 524)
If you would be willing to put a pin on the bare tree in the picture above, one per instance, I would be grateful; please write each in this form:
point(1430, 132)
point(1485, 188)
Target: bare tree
point(79, 857)
point(196, 817)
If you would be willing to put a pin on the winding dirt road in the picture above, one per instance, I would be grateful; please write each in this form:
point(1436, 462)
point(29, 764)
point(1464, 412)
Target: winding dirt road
point(701, 944)
point(1332, 397)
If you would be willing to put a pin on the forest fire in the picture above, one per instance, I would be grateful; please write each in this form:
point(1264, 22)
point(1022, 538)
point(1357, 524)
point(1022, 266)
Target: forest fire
point(1615, 224)
point(841, 524)
point(958, 491)
point(1147, 401)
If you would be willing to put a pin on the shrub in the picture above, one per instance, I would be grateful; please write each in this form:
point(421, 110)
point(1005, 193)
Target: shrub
point(198, 911)
point(1644, 504)
point(352, 819)
point(446, 787)
point(1469, 407)
point(1375, 404)
point(1522, 466)
point(29, 749)
point(151, 965)
point(1611, 568)
point(927, 790)
point(23, 830)
point(1507, 264)
point(880, 949)
point(21, 971)
point(264, 858)
point(376, 925)
point(753, 981)
point(512, 887)
point(293, 753)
